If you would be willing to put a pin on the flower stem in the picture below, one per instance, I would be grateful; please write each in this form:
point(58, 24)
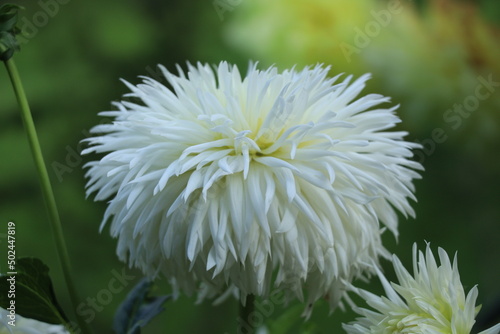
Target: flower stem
point(245, 312)
point(47, 192)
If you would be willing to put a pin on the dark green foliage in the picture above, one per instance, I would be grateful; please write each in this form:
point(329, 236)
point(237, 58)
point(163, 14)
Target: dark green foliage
point(138, 309)
point(34, 294)
point(8, 30)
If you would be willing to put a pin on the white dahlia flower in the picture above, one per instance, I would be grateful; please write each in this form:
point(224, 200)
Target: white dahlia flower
point(224, 183)
point(22, 325)
point(432, 301)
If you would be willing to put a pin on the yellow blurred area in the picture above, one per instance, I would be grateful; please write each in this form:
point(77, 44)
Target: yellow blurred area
point(427, 58)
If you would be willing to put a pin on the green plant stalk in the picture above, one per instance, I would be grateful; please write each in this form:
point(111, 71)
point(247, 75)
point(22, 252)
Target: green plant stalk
point(245, 312)
point(47, 192)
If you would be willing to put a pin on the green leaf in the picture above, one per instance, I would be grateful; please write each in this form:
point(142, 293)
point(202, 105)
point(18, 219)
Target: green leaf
point(310, 328)
point(292, 321)
point(8, 30)
point(8, 16)
point(8, 44)
point(138, 309)
point(287, 321)
point(34, 293)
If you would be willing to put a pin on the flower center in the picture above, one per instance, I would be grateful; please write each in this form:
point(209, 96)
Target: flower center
point(406, 325)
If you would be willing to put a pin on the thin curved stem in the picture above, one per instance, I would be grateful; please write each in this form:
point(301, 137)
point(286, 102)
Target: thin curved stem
point(47, 192)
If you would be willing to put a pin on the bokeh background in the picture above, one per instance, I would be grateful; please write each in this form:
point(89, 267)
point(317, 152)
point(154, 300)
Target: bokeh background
point(429, 56)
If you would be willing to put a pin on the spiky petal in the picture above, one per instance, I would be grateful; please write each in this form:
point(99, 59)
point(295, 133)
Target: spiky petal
point(277, 178)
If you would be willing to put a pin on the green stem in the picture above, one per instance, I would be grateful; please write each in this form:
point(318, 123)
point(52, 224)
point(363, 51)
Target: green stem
point(47, 192)
point(245, 312)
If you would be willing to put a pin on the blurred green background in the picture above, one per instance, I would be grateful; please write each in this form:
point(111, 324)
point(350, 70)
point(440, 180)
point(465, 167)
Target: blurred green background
point(74, 52)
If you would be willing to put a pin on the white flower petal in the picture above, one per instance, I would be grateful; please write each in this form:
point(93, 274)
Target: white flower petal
point(432, 300)
point(229, 185)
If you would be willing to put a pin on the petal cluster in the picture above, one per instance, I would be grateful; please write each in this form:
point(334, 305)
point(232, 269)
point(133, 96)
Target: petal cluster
point(224, 183)
point(431, 301)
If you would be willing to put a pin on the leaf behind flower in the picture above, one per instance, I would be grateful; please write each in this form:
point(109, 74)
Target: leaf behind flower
point(138, 309)
point(34, 292)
